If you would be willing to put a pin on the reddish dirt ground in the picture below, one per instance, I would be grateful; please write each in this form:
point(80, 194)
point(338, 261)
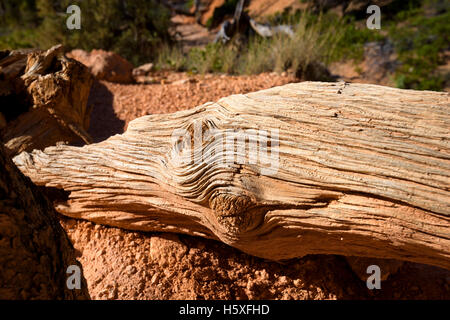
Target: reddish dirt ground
point(121, 264)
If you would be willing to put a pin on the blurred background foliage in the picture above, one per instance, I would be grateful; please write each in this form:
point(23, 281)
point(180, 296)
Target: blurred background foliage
point(132, 28)
point(139, 31)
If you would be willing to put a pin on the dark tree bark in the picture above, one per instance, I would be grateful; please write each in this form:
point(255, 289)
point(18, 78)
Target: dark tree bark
point(34, 249)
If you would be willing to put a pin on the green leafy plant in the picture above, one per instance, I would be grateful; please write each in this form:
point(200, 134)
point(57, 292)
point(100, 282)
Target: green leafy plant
point(419, 42)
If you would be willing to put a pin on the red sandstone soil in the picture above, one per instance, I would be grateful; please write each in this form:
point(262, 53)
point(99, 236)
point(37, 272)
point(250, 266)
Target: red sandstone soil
point(120, 264)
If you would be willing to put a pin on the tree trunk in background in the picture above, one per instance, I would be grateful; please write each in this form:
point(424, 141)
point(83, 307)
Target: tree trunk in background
point(43, 99)
point(349, 169)
point(34, 249)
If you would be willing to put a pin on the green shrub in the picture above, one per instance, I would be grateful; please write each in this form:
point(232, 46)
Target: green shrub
point(171, 58)
point(17, 39)
point(354, 37)
point(132, 28)
point(419, 42)
point(311, 44)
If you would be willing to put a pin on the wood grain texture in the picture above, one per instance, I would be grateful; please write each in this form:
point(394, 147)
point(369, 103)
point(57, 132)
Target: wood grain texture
point(361, 170)
point(43, 99)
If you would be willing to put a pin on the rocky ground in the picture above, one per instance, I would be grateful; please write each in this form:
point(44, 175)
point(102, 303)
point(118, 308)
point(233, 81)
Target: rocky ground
point(120, 264)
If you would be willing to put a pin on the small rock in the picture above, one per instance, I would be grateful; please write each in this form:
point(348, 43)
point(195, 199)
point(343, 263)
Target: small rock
point(130, 269)
point(154, 278)
point(105, 65)
point(282, 280)
point(143, 70)
point(180, 82)
point(112, 294)
point(102, 293)
point(264, 274)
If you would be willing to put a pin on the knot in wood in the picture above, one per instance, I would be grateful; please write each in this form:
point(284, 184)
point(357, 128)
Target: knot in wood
point(233, 212)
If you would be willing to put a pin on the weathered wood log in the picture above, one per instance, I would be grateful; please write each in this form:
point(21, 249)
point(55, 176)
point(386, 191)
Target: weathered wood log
point(350, 169)
point(35, 252)
point(43, 99)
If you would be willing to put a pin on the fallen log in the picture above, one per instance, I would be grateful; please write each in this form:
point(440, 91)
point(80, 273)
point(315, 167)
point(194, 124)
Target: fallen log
point(305, 168)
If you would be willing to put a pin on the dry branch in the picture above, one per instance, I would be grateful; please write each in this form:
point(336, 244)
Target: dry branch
point(361, 170)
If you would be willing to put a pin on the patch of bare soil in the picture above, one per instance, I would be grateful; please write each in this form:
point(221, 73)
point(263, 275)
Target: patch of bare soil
point(118, 104)
point(121, 264)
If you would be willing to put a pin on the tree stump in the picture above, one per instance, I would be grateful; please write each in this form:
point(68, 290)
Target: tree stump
point(305, 168)
point(43, 99)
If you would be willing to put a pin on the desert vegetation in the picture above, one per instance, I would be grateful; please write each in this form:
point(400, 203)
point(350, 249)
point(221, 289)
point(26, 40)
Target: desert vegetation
point(138, 30)
point(418, 30)
point(134, 29)
point(311, 43)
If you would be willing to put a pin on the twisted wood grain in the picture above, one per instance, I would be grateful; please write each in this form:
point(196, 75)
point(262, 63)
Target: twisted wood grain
point(362, 170)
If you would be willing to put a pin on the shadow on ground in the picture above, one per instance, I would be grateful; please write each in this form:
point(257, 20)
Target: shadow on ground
point(104, 122)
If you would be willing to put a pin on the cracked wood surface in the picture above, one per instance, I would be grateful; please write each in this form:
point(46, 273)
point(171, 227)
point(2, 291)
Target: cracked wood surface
point(362, 170)
point(43, 99)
